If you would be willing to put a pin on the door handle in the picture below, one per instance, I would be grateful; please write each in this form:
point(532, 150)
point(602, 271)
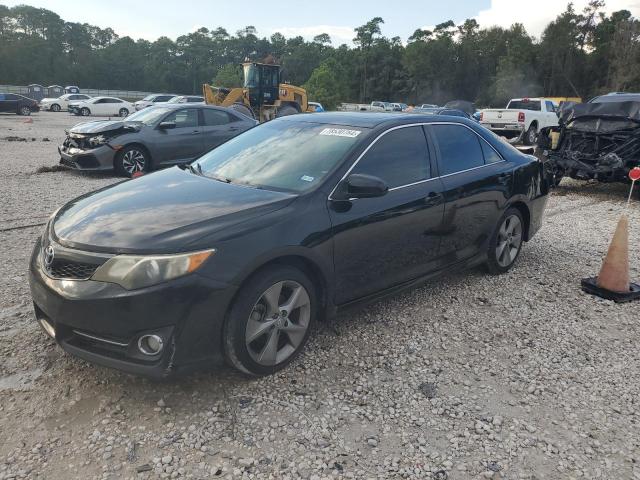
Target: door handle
point(433, 198)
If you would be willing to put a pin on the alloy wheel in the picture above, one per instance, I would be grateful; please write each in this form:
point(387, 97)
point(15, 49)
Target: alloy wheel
point(55, 107)
point(123, 112)
point(25, 111)
point(533, 136)
point(509, 240)
point(133, 161)
point(278, 323)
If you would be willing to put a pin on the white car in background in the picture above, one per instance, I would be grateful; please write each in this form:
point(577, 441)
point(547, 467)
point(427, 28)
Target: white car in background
point(187, 99)
point(102, 107)
point(152, 99)
point(61, 103)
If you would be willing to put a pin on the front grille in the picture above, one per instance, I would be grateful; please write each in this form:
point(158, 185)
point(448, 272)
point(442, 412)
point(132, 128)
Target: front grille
point(71, 270)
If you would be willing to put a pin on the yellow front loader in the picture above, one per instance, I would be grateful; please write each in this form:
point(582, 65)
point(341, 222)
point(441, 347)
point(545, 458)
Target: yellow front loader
point(263, 96)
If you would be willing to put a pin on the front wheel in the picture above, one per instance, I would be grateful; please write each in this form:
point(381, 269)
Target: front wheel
point(55, 107)
point(270, 320)
point(123, 112)
point(131, 160)
point(85, 112)
point(26, 111)
point(506, 242)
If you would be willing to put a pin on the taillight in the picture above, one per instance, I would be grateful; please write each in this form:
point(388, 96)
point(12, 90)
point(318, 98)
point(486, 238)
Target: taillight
point(521, 116)
point(481, 115)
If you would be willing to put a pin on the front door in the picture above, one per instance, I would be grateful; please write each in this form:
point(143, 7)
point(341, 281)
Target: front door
point(182, 143)
point(384, 241)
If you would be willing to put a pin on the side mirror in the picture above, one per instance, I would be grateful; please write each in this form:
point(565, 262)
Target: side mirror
point(167, 125)
point(359, 185)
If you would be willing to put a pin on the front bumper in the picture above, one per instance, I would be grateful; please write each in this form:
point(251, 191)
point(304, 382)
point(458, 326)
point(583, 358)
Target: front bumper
point(99, 158)
point(101, 322)
point(581, 169)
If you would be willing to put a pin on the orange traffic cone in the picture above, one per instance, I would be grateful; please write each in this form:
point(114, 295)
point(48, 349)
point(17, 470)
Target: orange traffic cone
point(613, 281)
point(614, 274)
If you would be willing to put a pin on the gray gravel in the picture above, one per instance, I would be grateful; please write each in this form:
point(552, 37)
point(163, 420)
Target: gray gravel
point(519, 376)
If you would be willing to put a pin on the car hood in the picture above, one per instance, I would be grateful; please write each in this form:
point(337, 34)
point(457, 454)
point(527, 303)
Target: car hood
point(164, 212)
point(47, 99)
point(102, 126)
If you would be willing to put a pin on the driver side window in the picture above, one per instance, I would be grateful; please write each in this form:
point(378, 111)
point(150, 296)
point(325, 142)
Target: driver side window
point(183, 118)
point(400, 157)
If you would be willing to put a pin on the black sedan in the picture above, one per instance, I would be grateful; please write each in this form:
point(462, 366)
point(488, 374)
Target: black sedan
point(19, 104)
point(151, 138)
point(235, 256)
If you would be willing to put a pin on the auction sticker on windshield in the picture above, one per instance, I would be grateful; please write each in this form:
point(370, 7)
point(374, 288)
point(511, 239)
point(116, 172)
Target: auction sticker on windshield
point(340, 132)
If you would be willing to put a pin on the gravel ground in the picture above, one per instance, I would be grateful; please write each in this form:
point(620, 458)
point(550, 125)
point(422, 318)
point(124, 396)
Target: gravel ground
point(520, 376)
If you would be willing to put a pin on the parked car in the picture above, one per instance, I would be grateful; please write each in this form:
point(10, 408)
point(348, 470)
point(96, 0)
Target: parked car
point(428, 105)
point(374, 106)
point(442, 111)
point(318, 106)
point(237, 255)
point(597, 140)
point(151, 138)
point(522, 119)
point(187, 99)
point(150, 100)
point(102, 107)
point(62, 103)
point(19, 104)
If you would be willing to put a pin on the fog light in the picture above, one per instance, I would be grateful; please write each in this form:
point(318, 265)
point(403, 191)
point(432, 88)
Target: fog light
point(47, 327)
point(150, 344)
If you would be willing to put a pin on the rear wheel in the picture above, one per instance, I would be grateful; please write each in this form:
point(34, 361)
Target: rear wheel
point(123, 112)
point(85, 112)
point(286, 110)
point(25, 110)
point(506, 243)
point(55, 107)
point(131, 160)
point(531, 136)
point(270, 320)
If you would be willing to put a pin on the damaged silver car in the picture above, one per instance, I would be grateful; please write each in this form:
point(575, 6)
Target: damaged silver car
point(151, 138)
point(598, 140)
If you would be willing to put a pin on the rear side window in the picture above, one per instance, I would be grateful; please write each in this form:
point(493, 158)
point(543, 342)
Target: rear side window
point(459, 148)
point(490, 155)
point(399, 157)
point(214, 118)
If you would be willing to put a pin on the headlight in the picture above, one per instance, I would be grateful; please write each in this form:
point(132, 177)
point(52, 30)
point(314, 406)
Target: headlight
point(137, 271)
point(98, 140)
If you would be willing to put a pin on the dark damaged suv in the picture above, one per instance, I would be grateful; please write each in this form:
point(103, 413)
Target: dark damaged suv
point(151, 138)
point(596, 140)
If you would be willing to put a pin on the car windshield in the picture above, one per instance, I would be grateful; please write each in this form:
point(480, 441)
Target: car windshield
point(176, 100)
point(281, 155)
point(148, 98)
point(149, 116)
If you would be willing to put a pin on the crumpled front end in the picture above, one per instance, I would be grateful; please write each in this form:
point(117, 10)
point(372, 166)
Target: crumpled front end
point(594, 141)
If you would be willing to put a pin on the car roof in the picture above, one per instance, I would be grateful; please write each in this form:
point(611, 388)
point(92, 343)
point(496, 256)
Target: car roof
point(372, 119)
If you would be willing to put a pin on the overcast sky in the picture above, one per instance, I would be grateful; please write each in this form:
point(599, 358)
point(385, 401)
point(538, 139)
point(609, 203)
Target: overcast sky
point(150, 20)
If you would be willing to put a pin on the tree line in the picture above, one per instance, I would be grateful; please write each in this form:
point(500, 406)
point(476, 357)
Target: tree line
point(580, 53)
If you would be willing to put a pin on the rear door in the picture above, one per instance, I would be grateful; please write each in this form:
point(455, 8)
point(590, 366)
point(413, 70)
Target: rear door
point(4, 102)
point(217, 127)
point(384, 241)
point(10, 103)
point(477, 183)
point(182, 143)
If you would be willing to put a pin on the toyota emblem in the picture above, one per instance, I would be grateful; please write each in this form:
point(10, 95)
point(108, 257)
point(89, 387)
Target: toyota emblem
point(49, 255)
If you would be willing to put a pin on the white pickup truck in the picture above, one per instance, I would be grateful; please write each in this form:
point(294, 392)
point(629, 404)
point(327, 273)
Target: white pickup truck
point(522, 119)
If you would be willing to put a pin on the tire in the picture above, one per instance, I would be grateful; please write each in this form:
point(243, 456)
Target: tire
point(243, 109)
point(24, 110)
point(123, 112)
point(262, 336)
point(531, 135)
point(85, 112)
point(132, 159)
point(285, 111)
point(506, 242)
point(55, 107)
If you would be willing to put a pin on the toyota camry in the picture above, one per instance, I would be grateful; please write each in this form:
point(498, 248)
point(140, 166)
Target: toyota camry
point(235, 256)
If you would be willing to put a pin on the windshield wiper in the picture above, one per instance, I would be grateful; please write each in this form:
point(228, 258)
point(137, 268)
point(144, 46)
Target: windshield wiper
point(193, 169)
